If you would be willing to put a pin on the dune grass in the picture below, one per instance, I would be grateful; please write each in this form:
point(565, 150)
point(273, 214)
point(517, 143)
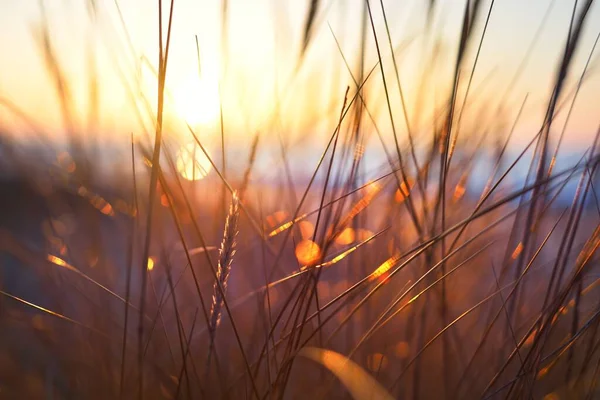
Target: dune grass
point(402, 280)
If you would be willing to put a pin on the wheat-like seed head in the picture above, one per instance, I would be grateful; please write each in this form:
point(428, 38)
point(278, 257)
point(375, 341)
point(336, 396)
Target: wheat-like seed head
point(226, 253)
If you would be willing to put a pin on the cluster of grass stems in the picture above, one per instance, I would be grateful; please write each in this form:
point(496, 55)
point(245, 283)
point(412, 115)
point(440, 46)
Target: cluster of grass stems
point(441, 291)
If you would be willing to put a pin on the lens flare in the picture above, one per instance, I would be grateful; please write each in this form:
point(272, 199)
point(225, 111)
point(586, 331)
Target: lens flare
point(307, 229)
point(150, 264)
point(191, 162)
point(307, 252)
point(346, 237)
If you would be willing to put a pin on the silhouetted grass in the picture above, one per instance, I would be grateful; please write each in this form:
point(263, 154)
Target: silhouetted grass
point(402, 276)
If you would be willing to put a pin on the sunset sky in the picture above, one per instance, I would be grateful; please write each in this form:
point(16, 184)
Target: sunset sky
point(255, 74)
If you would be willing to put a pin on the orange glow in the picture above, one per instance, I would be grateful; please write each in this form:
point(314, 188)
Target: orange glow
point(377, 361)
point(307, 229)
point(402, 350)
point(107, 209)
point(517, 251)
point(65, 161)
point(370, 192)
point(551, 396)
point(404, 191)
point(124, 208)
point(460, 189)
point(564, 310)
point(346, 237)
point(343, 254)
point(363, 234)
point(96, 201)
point(551, 167)
point(308, 252)
point(531, 338)
point(283, 227)
point(150, 264)
point(191, 162)
point(280, 216)
point(543, 372)
point(58, 261)
point(459, 192)
point(373, 188)
point(338, 258)
point(385, 267)
point(164, 200)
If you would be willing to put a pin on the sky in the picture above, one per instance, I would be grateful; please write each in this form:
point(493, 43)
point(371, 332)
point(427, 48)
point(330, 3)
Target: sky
point(251, 71)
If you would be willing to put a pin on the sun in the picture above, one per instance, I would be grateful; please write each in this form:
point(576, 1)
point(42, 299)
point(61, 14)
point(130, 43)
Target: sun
point(192, 164)
point(197, 100)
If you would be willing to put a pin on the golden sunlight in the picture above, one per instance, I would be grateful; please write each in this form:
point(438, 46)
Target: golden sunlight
point(55, 260)
point(308, 252)
point(150, 263)
point(385, 267)
point(307, 229)
point(346, 237)
point(404, 191)
point(191, 162)
point(197, 100)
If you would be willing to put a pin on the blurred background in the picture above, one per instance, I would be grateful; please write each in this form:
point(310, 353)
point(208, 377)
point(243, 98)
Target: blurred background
point(245, 57)
point(193, 193)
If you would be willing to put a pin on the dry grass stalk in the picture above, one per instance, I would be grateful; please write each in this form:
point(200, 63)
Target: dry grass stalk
point(226, 253)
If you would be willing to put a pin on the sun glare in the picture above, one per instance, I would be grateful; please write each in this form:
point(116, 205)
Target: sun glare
point(191, 162)
point(197, 100)
point(308, 252)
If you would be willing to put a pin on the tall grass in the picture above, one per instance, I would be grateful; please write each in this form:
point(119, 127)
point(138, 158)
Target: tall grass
point(353, 277)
